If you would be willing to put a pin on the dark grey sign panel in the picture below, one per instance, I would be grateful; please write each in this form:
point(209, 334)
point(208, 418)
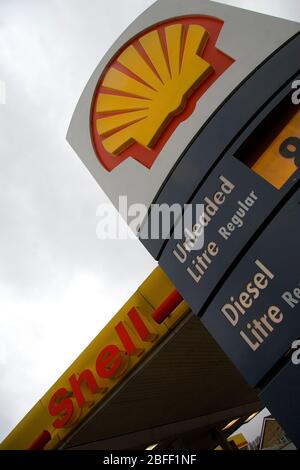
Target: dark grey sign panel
point(281, 397)
point(253, 100)
point(237, 202)
point(256, 315)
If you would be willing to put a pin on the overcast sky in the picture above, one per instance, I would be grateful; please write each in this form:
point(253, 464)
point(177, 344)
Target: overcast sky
point(59, 284)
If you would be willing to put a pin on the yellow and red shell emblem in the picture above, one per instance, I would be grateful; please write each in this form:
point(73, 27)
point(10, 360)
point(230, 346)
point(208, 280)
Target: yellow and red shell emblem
point(151, 86)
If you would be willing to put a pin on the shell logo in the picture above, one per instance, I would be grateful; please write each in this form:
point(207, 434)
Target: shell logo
point(151, 86)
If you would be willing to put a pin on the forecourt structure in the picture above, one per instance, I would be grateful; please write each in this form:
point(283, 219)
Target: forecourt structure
point(142, 381)
point(195, 105)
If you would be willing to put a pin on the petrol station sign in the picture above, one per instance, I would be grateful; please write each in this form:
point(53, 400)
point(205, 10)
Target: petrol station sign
point(193, 105)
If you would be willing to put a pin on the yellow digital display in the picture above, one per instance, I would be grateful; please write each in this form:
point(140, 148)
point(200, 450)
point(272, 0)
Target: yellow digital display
point(274, 151)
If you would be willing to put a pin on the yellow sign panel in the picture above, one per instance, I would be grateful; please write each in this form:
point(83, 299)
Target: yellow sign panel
point(239, 441)
point(279, 161)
